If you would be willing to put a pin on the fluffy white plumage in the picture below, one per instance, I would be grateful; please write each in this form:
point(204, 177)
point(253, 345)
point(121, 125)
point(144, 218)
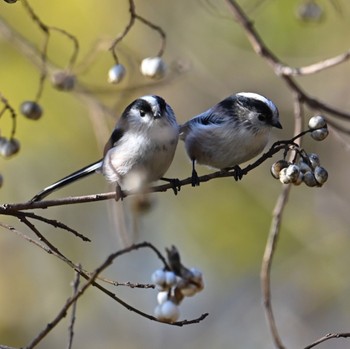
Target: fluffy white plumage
point(139, 151)
point(232, 132)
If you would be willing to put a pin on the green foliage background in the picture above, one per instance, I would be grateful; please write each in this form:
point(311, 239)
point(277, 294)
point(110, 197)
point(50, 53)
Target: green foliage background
point(220, 227)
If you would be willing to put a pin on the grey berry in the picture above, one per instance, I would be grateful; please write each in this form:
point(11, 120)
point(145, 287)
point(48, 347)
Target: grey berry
point(9, 147)
point(314, 160)
point(309, 179)
point(321, 175)
point(31, 110)
point(320, 134)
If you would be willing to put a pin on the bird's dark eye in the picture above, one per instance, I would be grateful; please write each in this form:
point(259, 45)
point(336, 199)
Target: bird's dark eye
point(262, 117)
point(142, 113)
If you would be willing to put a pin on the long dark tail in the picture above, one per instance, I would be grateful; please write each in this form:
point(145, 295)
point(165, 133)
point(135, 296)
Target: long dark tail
point(85, 171)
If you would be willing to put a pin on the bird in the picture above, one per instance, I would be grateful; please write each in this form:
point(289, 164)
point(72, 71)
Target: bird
point(230, 133)
point(139, 150)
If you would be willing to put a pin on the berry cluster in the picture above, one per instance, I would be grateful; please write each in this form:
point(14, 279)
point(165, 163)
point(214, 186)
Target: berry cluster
point(173, 286)
point(151, 67)
point(307, 169)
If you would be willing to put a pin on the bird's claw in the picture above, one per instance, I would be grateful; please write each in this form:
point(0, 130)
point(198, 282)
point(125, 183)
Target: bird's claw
point(195, 179)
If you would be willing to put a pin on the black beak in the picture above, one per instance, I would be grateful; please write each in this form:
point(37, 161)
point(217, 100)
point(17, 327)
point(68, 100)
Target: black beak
point(277, 124)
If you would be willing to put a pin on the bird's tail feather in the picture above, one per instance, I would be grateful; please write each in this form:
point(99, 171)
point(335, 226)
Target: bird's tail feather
point(85, 171)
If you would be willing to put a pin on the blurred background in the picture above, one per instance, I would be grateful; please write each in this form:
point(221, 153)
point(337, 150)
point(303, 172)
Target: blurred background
point(220, 227)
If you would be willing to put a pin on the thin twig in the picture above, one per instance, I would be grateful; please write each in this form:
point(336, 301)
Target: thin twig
point(262, 50)
point(265, 273)
point(133, 17)
point(74, 310)
point(328, 337)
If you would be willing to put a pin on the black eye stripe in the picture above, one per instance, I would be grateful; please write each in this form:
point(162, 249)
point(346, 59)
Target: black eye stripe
point(139, 104)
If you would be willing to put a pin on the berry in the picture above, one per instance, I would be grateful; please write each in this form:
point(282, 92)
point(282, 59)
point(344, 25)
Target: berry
point(153, 67)
point(292, 172)
point(9, 147)
point(162, 297)
point(167, 312)
point(284, 179)
point(116, 74)
point(63, 81)
point(189, 290)
point(158, 277)
point(317, 121)
point(320, 134)
point(277, 167)
point(170, 278)
point(321, 175)
point(314, 160)
point(31, 110)
point(310, 11)
point(303, 166)
point(309, 179)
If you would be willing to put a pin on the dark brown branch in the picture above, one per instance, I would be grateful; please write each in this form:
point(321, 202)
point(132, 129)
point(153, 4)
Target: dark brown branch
point(11, 209)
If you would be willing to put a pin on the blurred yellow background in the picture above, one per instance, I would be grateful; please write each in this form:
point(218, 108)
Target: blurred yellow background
point(220, 227)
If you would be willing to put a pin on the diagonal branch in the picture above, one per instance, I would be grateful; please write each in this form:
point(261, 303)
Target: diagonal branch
point(280, 69)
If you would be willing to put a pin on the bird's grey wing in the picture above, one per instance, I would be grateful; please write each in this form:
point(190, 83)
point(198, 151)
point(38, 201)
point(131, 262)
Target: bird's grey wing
point(116, 135)
point(210, 117)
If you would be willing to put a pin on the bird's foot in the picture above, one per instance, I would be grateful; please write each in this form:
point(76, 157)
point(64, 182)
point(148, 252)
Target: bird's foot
point(238, 173)
point(195, 179)
point(119, 194)
point(175, 184)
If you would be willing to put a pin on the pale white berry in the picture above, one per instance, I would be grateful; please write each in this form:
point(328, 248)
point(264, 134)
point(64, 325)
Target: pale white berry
point(158, 277)
point(116, 74)
point(277, 167)
point(317, 121)
point(320, 134)
point(167, 312)
point(162, 297)
point(283, 176)
point(292, 172)
point(153, 67)
point(309, 179)
point(314, 159)
point(321, 175)
point(63, 80)
point(9, 147)
point(170, 278)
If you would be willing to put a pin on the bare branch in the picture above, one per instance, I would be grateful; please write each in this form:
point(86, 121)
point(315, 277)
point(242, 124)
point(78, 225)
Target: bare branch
point(74, 309)
point(328, 337)
point(262, 50)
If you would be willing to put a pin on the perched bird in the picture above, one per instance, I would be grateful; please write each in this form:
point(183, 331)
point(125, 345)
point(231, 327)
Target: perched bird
point(139, 151)
point(232, 132)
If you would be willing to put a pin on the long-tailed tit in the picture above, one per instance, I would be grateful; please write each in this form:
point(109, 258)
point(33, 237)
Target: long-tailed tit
point(230, 133)
point(139, 151)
